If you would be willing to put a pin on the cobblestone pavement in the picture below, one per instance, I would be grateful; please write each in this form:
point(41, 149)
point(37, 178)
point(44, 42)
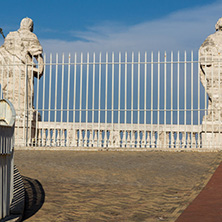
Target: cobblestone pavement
point(116, 186)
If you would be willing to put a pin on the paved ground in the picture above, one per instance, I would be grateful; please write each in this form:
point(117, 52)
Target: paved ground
point(206, 207)
point(113, 186)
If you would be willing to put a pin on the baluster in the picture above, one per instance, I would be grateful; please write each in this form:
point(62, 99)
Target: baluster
point(188, 140)
point(193, 140)
point(148, 140)
point(124, 139)
point(120, 141)
point(105, 139)
point(89, 138)
point(138, 139)
point(173, 140)
point(48, 140)
point(143, 139)
point(70, 136)
point(109, 139)
point(183, 140)
point(153, 140)
point(39, 137)
point(128, 138)
point(177, 140)
point(81, 138)
point(167, 135)
point(100, 138)
point(95, 140)
point(115, 138)
point(159, 140)
point(44, 137)
point(63, 137)
point(57, 131)
point(85, 138)
point(133, 138)
point(75, 143)
point(53, 137)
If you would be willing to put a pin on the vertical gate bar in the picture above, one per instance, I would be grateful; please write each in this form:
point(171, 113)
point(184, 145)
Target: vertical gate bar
point(30, 113)
point(158, 98)
point(87, 100)
point(212, 82)
point(165, 97)
point(62, 90)
point(50, 83)
point(198, 95)
point(185, 94)
point(43, 98)
point(99, 114)
point(125, 117)
point(74, 103)
point(172, 86)
point(93, 98)
point(152, 82)
point(145, 91)
point(119, 96)
point(49, 104)
point(205, 106)
point(24, 108)
point(112, 121)
point(62, 96)
point(80, 100)
point(138, 103)
point(68, 95)
point(178, 98)
point(37, 110)
point(56, 88)
point(106, 94)
point(131, 113)
point(68, 90)
point(192, 99)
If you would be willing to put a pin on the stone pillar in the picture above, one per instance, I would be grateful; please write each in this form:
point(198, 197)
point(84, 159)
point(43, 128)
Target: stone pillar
point(210, 58)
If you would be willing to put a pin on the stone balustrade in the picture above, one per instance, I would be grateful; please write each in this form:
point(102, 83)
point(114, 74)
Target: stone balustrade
point(118, 135)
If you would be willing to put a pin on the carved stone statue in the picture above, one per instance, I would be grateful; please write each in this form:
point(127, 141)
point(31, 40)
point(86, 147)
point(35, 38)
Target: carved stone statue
point(210, 56)
point(18, 68)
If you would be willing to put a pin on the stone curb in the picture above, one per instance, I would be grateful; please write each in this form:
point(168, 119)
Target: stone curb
point(115, 149)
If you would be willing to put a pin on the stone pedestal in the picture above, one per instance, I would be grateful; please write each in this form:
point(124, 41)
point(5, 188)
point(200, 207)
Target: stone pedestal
point(211, 135)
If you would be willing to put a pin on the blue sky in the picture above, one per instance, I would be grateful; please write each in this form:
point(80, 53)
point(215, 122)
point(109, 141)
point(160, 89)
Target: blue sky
point(117, 25)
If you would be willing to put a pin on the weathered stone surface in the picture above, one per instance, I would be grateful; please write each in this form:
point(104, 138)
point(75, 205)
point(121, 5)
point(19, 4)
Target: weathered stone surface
point(17, 71)
point(210, 57)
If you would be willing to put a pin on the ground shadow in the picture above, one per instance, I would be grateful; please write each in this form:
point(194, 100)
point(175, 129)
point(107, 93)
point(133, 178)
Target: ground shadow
point(34, 196)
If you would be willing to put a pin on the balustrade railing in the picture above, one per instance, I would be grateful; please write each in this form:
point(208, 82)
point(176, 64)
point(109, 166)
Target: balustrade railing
point(137, 100)
point(119, 136)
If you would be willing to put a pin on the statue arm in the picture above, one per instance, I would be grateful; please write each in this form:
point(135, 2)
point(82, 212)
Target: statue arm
point(38, 72)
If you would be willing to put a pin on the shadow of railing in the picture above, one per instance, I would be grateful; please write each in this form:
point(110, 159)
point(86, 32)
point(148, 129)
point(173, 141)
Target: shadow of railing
point(34, 196)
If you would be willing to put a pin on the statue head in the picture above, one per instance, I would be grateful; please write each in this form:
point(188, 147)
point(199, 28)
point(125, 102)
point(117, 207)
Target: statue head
point(218, 26)
point(26, 24)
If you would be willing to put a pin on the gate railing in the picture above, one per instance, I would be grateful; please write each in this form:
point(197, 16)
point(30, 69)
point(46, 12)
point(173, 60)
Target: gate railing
point(149, 100)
